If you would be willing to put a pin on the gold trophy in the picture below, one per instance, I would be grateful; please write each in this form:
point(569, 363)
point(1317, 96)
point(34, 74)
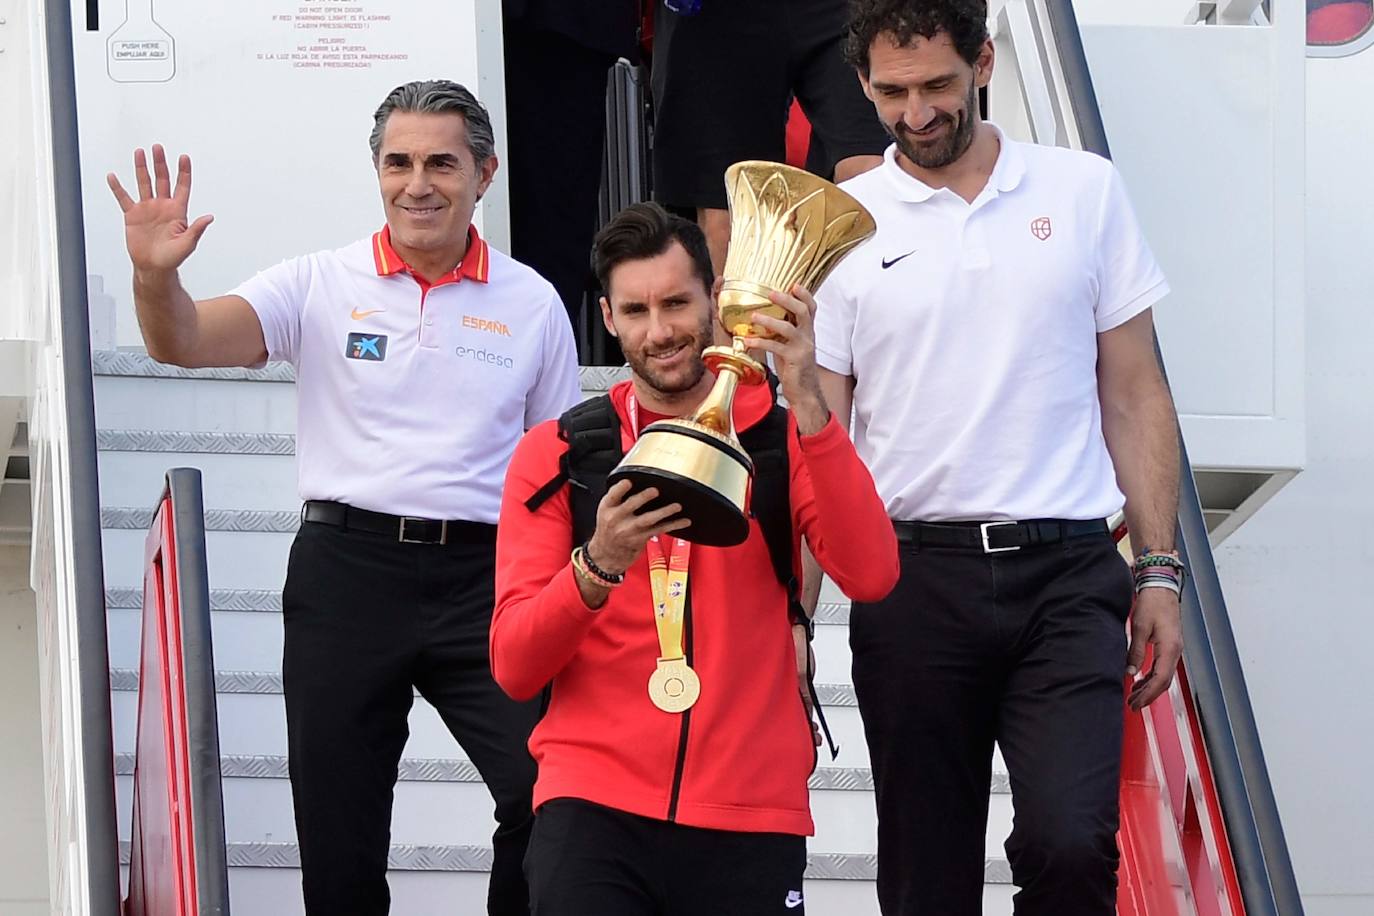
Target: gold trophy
point(786, 227)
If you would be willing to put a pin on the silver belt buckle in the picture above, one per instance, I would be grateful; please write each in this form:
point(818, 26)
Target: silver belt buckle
point(987, 547)
point(443, 531)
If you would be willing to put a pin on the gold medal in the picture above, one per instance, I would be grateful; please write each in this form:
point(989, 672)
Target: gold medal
point(674, 687)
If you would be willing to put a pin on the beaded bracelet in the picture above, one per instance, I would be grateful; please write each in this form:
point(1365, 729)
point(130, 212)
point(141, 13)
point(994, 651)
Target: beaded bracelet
point(583, 563)
point(1158, 569)
point(1151, 560)
point(579, 564)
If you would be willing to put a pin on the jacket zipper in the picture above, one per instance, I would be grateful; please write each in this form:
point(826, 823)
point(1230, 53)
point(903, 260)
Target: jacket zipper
point(674, 797)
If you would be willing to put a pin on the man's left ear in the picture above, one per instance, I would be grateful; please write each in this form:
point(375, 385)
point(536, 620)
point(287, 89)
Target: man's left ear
point(488, 172)
point(606, 316)
point(982, 67)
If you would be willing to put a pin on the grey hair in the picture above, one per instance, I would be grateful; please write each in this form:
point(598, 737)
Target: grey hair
point(438, 97)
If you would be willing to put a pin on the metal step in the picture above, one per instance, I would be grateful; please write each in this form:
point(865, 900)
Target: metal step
point(252, 718)
point(255, 723)
point(235, 559)
point(237, 426)
point(442, 801)
point(250, 640)
point(420, 893)
point(819, 866)
point(423, 813)
point(268, 601)
point(200, 404)
point(231, 481)
point(127, 382)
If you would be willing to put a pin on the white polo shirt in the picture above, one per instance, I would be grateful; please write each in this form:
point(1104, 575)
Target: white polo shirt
point(971, 333)
point(411, 397)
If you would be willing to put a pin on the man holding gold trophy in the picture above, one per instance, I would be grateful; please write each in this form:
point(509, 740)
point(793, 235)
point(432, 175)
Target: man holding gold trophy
point(647, 561)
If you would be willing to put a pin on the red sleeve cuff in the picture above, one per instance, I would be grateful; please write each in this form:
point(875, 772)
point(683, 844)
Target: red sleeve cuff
point(569, 596)
point(831, 435)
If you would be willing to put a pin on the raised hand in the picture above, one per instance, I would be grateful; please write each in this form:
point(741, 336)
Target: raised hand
point(793, 346)
point(156, 230)
point(622, 529)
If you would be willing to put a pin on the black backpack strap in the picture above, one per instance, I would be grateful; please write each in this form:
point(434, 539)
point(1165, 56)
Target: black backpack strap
point(771, 498)
point(592, 431)
point(545, 493)
point(771, 502)
point(593, 437)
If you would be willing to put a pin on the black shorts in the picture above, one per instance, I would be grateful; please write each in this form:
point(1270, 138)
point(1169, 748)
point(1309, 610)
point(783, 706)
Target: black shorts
point(723, 81)
point(588, 860)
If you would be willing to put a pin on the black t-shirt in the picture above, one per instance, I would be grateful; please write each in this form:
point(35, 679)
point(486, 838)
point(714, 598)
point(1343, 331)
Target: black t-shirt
point(603, 25)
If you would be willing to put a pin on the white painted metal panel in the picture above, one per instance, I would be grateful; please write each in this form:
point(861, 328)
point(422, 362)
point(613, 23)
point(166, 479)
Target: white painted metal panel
point(273, 100)
point(1297, 575)
point(1205, 124)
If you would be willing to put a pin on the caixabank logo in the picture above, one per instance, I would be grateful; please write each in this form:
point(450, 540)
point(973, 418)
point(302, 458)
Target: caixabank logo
point(485, 357)
point(366, 347)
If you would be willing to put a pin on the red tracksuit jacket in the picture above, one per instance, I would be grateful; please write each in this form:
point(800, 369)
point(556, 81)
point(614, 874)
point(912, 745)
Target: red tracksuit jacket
point(740, 758)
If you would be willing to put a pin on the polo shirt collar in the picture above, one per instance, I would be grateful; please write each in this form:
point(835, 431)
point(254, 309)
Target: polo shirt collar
point(1007, 171)
point(475, 264)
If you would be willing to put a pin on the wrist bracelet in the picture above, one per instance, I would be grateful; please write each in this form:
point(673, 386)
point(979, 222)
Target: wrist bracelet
point(579, 565)
point(1175, 587)
point(584, 559)
point(1158, 571)
point(617, 578)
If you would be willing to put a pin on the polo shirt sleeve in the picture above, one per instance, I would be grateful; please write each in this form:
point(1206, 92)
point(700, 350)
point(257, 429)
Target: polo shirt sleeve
point(835, 312)
point(1128, 276)
point(558, 385)
point(276, 295)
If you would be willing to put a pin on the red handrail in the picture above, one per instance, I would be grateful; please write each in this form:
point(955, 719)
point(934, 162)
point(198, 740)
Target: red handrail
point(162, 865)
point(1175, 857)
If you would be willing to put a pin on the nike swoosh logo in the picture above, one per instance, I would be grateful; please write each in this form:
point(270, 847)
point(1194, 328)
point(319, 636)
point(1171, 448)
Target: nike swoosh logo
point(887, 263)
point(359, 316)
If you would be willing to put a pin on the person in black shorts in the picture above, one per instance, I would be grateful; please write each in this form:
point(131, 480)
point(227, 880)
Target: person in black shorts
point(723, 81)
point(558, 55)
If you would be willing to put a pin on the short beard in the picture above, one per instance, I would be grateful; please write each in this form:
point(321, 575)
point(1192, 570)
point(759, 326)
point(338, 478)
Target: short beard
point(946, 151)
point(639, 363)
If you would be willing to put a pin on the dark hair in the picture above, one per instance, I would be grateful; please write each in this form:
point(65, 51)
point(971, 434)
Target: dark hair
point(965, 21)
point(644, 231)
point(437, 97)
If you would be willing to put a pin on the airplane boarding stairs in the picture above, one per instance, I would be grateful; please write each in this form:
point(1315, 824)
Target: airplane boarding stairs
point(237, 427)
point(1200, 830)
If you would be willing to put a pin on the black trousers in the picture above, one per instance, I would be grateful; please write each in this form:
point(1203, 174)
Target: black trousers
point(555, 139)
point(368, 620)
point(1027, 649)
point(589, 860)
point(724, 79)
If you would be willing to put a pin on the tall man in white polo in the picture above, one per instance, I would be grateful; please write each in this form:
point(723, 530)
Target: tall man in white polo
point(421, 357)
point(995, 341)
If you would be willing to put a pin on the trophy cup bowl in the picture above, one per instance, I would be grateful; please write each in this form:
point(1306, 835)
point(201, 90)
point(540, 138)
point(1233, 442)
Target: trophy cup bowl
point(787, 227)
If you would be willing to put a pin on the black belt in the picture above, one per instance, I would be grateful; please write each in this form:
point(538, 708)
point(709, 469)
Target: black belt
point(404, 528)
point(996, 537)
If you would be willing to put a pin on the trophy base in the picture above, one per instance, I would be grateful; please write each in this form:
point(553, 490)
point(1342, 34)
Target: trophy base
point(697, 468)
